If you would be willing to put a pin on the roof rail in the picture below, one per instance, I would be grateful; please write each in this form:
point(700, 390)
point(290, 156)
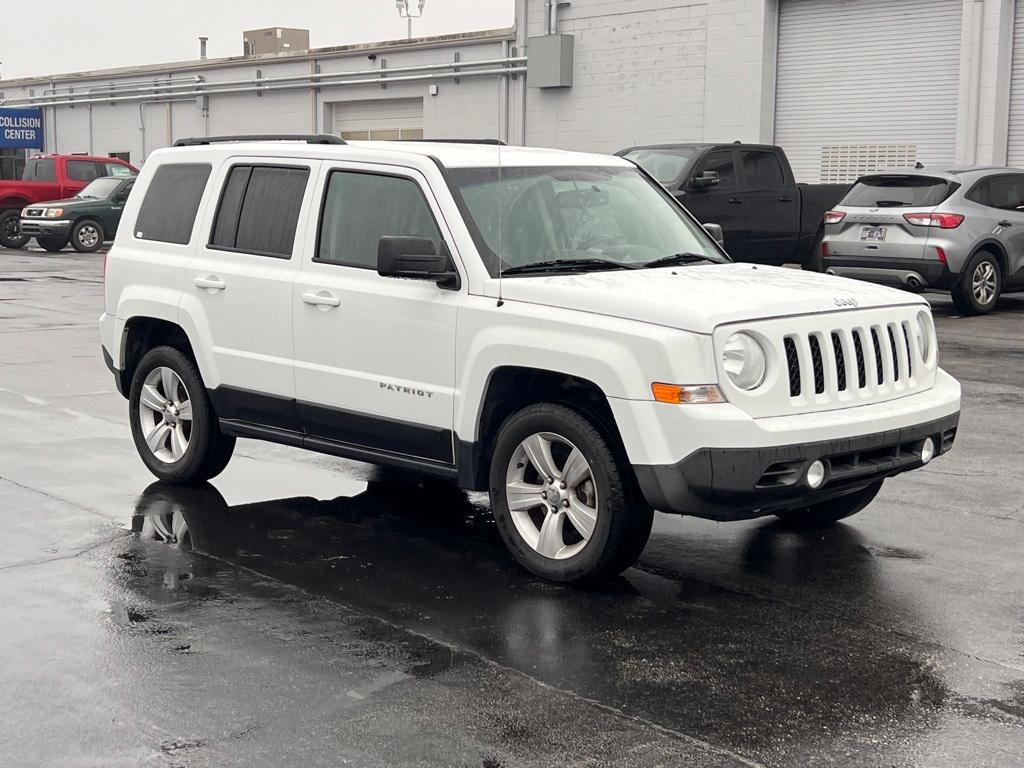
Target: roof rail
point(311, 138)
point(494, 142)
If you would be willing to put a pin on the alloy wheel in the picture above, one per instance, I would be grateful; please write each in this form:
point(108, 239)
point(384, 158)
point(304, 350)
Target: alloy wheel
point(983, 283)
point(551, 495)
point(88, 236)
point(165, 413)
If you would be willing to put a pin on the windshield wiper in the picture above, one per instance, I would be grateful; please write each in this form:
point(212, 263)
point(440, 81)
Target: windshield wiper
point(566, 265)
point(676, 259)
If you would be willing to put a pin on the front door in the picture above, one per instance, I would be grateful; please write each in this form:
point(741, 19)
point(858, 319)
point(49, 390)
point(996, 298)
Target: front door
point(718, 204)
point(374, 356)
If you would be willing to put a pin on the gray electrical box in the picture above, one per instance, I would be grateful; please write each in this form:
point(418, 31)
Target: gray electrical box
point(550, 61)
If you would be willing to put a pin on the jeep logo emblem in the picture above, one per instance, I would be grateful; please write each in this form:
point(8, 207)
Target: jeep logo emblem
point(845, 301)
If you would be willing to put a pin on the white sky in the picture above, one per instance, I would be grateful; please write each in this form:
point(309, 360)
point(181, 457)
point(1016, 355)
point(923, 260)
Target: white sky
point(77, 35)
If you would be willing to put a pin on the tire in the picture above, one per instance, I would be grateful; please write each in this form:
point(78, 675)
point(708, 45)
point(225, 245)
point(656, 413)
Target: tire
point(175, 448)
point(826, 513)
point(52, 244)
point(87, 236)
point(10, 230)
point(981, 282)
point(609, 522)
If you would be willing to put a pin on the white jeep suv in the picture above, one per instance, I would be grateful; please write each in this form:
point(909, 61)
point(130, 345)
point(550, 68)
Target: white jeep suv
point(549, 326)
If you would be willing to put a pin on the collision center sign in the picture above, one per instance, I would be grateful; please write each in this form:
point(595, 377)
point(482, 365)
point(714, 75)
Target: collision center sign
point(21, 128)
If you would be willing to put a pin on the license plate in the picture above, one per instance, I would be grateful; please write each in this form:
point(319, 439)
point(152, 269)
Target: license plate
point(875, 234)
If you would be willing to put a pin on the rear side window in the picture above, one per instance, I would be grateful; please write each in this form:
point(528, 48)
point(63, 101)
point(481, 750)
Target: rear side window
point(259, 210)
point(361, 208)
point(897, 192)
point(169, 209)
point(40, 170)
point(83, 170)
point(1003, 192)
point(761, 169)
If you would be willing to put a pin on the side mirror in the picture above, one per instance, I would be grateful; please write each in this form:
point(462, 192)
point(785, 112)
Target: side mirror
point(416, 258)
point(706, 180)
point(715, 230)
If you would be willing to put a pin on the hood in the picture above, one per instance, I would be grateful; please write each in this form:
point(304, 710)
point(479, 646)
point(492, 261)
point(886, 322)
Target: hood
point(700, 297)
point(60, 203)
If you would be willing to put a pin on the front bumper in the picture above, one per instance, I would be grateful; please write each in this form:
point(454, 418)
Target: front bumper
point(916, 274)
point(45, 227)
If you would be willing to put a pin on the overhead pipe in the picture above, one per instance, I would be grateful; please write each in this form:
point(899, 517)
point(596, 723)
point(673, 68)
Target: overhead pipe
point(317, 78)
point(179, 82)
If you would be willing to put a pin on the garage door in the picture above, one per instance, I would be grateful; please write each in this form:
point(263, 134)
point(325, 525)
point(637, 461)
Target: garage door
point(1015, 147)
point(865, 85)
point(379, 119)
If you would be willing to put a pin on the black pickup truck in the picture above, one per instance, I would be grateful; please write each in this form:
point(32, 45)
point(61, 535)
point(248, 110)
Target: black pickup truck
point(749, 190)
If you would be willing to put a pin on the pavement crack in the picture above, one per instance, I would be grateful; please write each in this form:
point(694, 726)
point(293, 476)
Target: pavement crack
point(68, 555)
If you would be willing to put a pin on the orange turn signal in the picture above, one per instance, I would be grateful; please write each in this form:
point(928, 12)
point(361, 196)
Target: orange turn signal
point(676, 394)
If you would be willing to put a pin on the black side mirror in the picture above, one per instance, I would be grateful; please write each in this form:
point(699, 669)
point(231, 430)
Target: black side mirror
point(416, 258)
point(715, 230)
point(705, 180)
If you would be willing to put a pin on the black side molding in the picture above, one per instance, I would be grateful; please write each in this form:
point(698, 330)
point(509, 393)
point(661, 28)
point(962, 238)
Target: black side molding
point(308, 138)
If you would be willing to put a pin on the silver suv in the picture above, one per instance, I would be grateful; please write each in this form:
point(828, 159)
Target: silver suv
point(958, 230)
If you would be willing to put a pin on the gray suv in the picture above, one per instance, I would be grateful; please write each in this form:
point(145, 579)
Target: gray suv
point(960, 231)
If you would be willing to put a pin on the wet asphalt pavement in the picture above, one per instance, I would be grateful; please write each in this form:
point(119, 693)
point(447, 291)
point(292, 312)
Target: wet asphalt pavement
point(305, 610)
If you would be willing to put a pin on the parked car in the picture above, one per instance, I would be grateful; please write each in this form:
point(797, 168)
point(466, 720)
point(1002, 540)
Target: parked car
point(551, 327)
point(959, 230)
point(86, 220)
point(748, 189)
point(50, 177)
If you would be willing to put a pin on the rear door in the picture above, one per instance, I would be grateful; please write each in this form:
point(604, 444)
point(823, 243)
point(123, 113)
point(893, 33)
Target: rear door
point(772, 207)
point(240, 283)
point(719, 204)
point(875, 207)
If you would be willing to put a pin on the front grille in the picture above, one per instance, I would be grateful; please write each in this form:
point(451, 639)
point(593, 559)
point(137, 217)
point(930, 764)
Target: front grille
point(793, 363)
point(33, 211)
point(837, 350)
point(878, 356)
point(862, 368)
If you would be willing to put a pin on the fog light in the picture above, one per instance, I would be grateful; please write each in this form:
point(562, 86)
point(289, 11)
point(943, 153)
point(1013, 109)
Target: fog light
point(927, 450)
point(816, 474)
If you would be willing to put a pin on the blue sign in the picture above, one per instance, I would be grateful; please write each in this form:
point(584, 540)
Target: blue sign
point(21, 128)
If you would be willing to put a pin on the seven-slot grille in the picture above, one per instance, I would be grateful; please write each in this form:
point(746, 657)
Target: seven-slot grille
point(821, 363)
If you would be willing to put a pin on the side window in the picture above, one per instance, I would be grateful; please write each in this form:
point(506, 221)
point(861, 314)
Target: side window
point(1003, 192)
point(169, 209)
point(82, 170)
point(721, 162)
point(361, 208)
point(762, 169)
point(259, 210)
point(116, 169)
point(40, 170)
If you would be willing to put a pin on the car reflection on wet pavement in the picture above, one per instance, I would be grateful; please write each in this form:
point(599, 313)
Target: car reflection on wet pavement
point(379, 621)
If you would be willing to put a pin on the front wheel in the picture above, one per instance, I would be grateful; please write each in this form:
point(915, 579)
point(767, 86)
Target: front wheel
point(826, 513)
point(979, 286)
point(173, 424)
point(10, 230)
point(87, 236)
point(565, 503)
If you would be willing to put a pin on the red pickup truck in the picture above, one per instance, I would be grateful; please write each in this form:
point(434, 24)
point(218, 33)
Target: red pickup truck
point(50, 177)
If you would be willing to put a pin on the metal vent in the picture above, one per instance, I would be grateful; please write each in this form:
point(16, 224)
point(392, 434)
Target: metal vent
point(862, 369)
point(841, 163)
point(837, 349)
point(878, 355)
point(793, 363)
point(817, 365)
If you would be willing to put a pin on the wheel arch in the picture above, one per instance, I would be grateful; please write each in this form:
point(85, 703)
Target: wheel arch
point(993, 246)
point(12, 203)
point(142, 333)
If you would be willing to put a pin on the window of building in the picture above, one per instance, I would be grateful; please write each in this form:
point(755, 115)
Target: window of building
point(259, 210)
point(361, 208)
point(168, 211)
point(761, 169)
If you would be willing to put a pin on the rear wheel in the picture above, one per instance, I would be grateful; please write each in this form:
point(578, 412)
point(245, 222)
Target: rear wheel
point(10, 230)
point(980, 284)
point(87, 236)
point(52, 244)
point(828, 512)
point(566, 505)
point(173, 424)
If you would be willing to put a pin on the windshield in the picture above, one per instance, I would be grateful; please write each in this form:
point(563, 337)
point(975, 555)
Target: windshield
point(897, 192)
point(663, 163)
point(101, 188)
point(606, 215)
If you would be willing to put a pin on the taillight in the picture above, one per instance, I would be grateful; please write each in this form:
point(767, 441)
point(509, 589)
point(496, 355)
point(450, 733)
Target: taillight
point(834, 217)
point(940, 220)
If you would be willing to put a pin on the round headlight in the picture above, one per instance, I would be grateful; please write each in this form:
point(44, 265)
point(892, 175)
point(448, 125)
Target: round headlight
point(744, 361)
point(924, 334)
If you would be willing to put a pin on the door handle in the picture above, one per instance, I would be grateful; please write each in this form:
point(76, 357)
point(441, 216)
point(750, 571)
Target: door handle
point(1005, 223)
point(321, 299)
point(211, 283)
point(735, 201)
point(785, 199)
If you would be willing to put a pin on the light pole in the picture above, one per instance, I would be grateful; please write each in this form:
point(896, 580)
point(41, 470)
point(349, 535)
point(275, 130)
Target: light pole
point(405, 12)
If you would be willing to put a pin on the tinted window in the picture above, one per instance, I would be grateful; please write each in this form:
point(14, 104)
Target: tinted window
point(259, 210)
point(721, 163)
point(666, 165)
point(762, 169)
point(896, 192)
point(169, 209)
point(82, 170)
point(1003, 192)
point(361, 208)
point(40, 170)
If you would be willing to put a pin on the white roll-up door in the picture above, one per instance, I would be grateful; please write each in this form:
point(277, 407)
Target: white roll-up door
point(379, 119)
point(864, 85)
point(1015, 139)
